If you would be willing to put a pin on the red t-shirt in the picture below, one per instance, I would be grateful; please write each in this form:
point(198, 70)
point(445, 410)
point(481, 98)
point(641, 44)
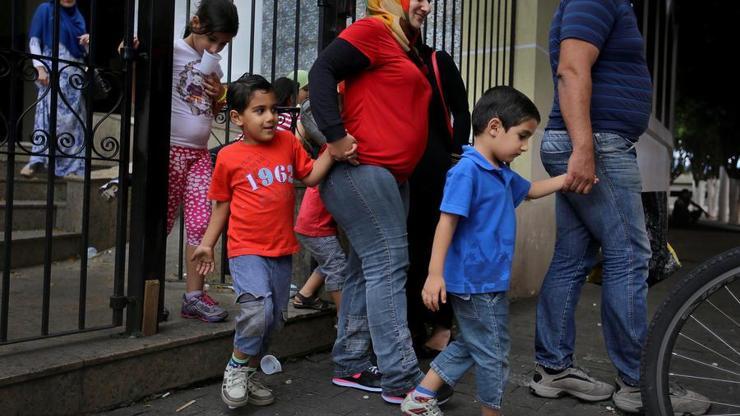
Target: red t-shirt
point(258, 180)
point(313, 218)
point(386, 106)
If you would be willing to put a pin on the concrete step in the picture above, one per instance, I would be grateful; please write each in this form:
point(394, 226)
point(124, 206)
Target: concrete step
point(28, 246)
point(21, 158)
point(29, 214)
point(101, 369)
point(34, 189)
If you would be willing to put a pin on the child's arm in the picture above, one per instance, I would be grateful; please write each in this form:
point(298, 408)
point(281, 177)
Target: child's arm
point(434, 289)
point(320, 169)
point(203, 254)
point(546, 187)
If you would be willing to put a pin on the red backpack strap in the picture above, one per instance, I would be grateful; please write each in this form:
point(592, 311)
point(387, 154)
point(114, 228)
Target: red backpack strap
point(441, 93)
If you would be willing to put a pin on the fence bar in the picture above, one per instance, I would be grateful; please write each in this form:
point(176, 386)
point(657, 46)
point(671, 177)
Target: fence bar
point(274, 39)
point(252, 11)
point(468, 41)
point(444, 24)
point(512, 31)
point(486, 53)
point(452, 35)
point(434, 28)
point(296, 46)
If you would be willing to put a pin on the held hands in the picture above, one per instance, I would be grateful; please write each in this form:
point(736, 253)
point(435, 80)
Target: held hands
point(434, 293)
point(344, 149)
point(84, 39)
point(203, 256)
point(581, 175)
point(43, 76)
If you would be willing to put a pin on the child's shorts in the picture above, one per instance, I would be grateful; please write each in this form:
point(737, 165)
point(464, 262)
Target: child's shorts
point(331, 258)
point(262, 287)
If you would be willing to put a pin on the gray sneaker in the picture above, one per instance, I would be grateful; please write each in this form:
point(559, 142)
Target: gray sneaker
point(573, 381)
point(234, 390)
point(685, 402)
point(259, 394)
point(202, 307)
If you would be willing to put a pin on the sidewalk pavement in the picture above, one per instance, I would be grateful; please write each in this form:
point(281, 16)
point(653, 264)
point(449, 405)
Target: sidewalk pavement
point(304, 387)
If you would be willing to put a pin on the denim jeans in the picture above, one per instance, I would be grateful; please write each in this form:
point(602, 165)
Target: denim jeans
point(368, 203)
point(262, 287)
point(330, 255)
point(483, 341)
point(610, 218)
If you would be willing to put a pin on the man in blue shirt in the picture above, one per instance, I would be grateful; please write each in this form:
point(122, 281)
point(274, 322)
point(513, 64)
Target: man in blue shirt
point(473, 249)
point(602, 105)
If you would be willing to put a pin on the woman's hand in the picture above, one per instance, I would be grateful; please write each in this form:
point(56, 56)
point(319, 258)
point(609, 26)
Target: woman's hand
point(85, 39)
point(213, 86)
point(344, 149)
point(43, 76)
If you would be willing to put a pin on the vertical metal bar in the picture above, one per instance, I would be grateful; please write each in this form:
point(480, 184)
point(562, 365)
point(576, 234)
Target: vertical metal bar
point(274, 39)
point(9, 176)
point(512, 42)
point(468, 42)
point(181, 241)
point(89, 143)
point(477, 30)
point(227, 139)
point(147, 249)
point(505, 50)
point(187, 13)
point(499, 42)
point(251, 36)
point(452, 34)
point(486, 53)
point(123, 162)
point(444, 25)
point(296, 47)
point(434, 28)
point(424, 32)
point(51, 154)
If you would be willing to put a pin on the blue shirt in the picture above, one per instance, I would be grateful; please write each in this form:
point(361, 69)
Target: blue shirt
point(621, 98)
point(484, 196)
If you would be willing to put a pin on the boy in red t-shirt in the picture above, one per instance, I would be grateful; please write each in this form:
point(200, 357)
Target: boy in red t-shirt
point(252, 185)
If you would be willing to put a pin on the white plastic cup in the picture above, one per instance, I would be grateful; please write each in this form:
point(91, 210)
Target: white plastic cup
point(209, 63)
point(270, 365)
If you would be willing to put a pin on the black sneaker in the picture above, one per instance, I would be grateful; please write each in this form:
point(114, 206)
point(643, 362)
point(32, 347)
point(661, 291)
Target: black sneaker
point(368, 380)
point(444, 394)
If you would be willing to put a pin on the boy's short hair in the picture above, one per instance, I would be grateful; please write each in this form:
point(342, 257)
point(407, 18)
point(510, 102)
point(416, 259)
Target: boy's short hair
point(240, 91)
point(508, 104)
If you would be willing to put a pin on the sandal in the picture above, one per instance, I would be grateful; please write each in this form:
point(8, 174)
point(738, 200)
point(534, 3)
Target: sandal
point(313, 302)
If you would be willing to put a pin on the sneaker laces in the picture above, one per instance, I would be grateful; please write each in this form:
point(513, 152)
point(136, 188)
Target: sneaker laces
point(374, 370)
point(253, 384)
point(207, 299)
point(234, 377)
point(430, 407)
point(584, 373)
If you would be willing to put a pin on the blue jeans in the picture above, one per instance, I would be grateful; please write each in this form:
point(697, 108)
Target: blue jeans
point(330, 255)
point(483, 341)
point(262, 287)
point(368, 203)
point(610, 218)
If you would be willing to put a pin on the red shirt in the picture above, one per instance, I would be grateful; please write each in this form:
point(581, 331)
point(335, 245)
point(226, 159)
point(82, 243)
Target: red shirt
point(386, 106)
point(313, 218)
point(258, 180)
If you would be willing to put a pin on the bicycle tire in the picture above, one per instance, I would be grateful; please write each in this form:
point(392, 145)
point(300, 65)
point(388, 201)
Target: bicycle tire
point(688, 294)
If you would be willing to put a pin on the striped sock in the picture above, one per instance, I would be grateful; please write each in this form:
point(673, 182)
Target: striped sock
point(237, 362)
point(421, 392)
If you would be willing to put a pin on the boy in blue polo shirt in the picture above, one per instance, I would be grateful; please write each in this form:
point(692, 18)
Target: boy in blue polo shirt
point(473, 249)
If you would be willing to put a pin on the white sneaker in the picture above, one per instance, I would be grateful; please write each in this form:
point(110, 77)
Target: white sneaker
point(420, 407)
point(685, 402)
point(234, 390)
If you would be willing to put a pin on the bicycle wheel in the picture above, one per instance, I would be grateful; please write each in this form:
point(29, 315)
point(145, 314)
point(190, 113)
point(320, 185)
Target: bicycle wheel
point(694, 340)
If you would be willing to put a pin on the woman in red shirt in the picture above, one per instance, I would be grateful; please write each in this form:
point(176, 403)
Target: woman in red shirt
point(380, 134)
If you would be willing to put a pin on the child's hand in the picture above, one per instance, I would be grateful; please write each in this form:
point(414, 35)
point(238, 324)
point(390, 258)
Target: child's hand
point(213, 86)
point(84, 39)
point(203, 256)
point(434, 292)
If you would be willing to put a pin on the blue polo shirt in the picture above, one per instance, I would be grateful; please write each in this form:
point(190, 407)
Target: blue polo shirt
point(484, 196)
point(622, 92)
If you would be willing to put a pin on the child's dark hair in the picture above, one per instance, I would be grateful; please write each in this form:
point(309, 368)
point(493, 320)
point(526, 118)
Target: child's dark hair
point(240, 91)
point(216, 16)
point(285, 90)
point(508, 104)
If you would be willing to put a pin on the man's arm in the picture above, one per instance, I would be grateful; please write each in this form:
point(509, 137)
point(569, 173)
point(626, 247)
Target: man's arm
point(574, 93)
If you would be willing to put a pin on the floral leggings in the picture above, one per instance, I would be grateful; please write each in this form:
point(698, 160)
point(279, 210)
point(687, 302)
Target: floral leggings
point(189, 178)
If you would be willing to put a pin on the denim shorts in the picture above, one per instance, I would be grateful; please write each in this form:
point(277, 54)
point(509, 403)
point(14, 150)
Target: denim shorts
point(262, 287)
point(483, 343)
point(331, 258)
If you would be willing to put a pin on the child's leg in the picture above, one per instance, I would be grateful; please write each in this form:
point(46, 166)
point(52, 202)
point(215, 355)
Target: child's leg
point(197, 210)
point(176, 184)
point(282, 268)
point(312, 285)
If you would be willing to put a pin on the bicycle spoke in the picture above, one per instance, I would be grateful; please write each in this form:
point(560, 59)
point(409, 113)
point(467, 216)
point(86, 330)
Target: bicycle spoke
point(715, 335)
point(725, 315)
point(732, 294)
point(709, 349)
point(705, 364)
point(719, 380)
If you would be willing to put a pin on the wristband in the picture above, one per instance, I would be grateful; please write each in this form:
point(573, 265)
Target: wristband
point(222, 98)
